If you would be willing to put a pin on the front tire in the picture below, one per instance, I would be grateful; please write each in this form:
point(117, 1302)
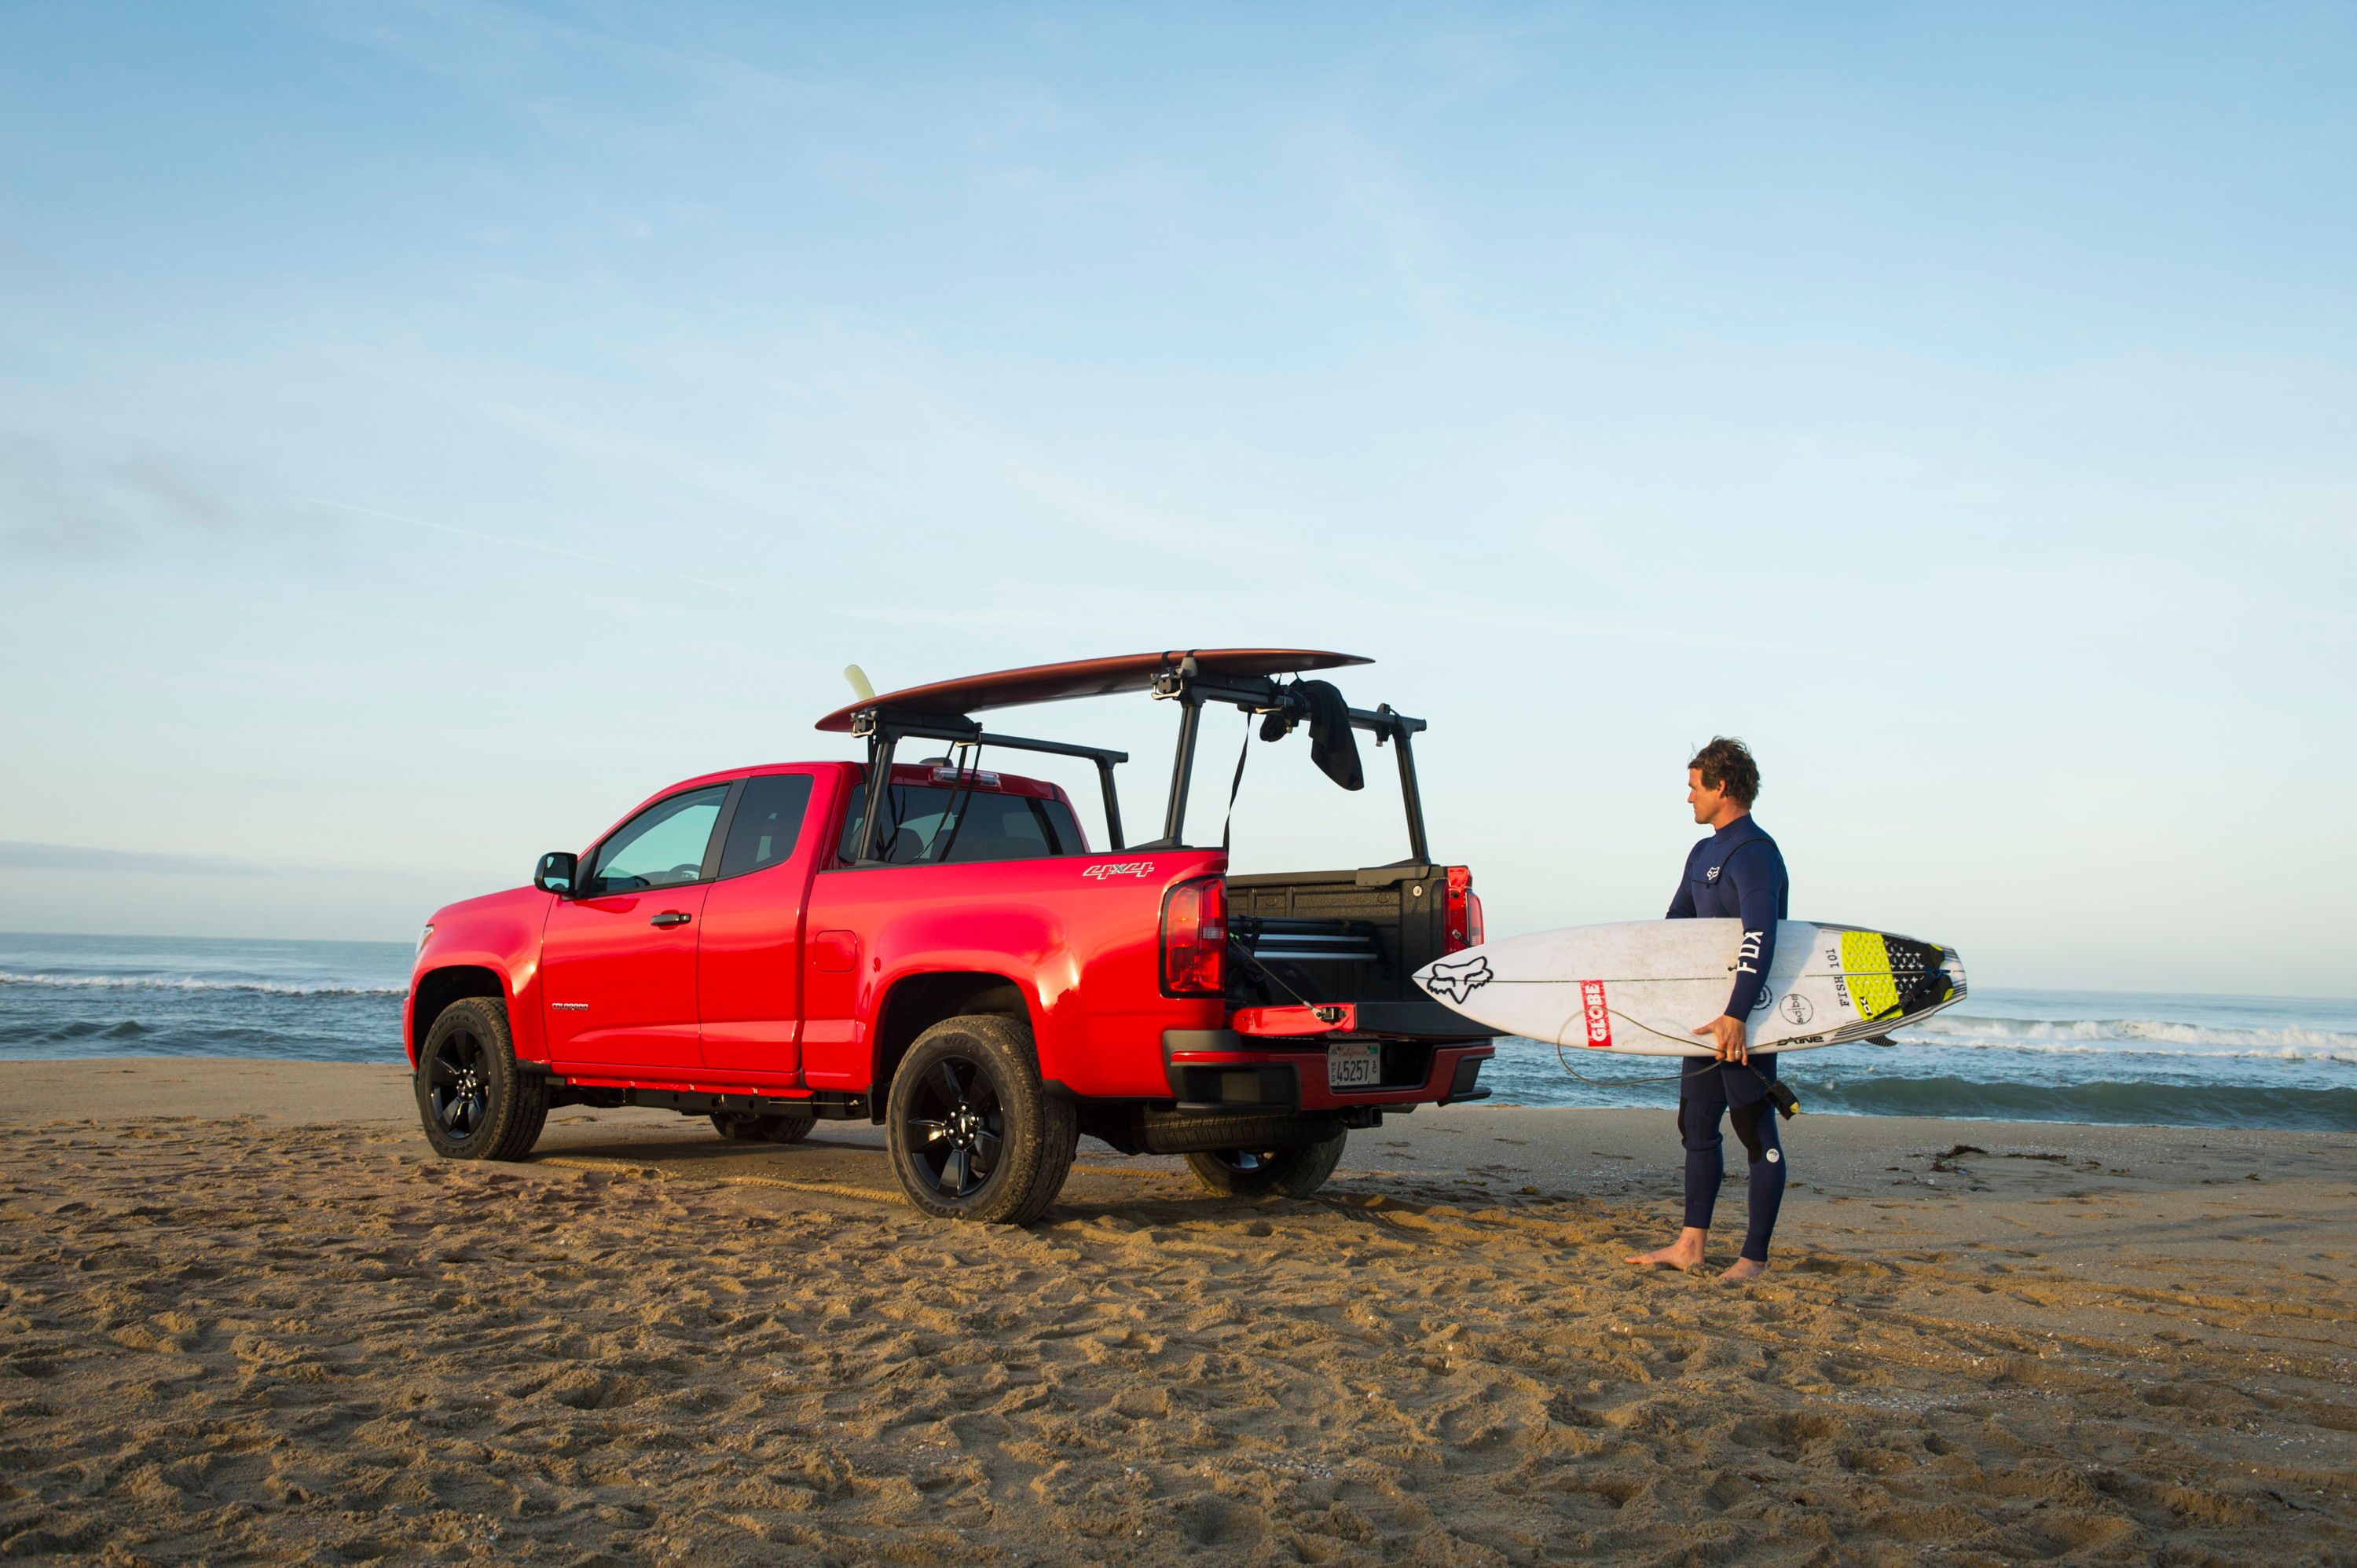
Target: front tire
point(1268, 1173)
point(973, 1132)
point(478, 1102)
point(779, 1127)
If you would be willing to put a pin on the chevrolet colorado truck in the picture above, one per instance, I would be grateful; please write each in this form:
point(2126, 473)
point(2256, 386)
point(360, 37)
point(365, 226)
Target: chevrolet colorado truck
point(936, 946)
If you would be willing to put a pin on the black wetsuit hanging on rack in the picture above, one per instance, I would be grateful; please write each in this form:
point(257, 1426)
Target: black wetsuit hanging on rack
point(1738, 873)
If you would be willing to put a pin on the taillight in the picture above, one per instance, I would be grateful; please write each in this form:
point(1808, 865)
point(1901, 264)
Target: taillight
point(1195, 938)
point(1460, 915)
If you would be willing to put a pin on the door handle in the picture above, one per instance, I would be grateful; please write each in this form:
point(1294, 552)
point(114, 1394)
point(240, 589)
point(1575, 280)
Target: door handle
point(671, 917)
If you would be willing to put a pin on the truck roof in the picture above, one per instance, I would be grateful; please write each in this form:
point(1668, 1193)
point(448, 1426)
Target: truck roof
point(1083, 678)
point(988, 780)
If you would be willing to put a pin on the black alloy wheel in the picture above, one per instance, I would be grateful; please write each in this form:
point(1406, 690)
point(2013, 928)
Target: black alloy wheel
point(476, 1101)
point(960, 1127)
point(1294, 1172)
point(458, 1084)
point(973, 1131)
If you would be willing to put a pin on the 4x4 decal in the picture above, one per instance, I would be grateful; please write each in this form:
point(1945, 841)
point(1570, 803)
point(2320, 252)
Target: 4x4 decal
point(1120, 868)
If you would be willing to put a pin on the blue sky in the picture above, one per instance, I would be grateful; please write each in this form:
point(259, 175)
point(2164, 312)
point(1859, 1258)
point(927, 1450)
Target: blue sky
point(426, 430)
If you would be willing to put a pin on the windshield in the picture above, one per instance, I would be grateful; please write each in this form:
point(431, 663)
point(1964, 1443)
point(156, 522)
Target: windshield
point(920, 827)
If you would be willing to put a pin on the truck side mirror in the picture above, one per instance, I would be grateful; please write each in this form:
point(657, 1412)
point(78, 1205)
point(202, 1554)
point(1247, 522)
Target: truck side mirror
point(556, 873)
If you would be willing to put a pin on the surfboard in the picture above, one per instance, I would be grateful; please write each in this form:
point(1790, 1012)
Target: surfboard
point(1640, 988)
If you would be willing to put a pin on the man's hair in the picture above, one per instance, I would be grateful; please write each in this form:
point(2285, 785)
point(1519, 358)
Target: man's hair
point(1726, 763)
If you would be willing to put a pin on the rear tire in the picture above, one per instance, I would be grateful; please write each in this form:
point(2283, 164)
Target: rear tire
point(973, 1132)
point(1269, 1173)
point(764, 1127)
point(478, 1102)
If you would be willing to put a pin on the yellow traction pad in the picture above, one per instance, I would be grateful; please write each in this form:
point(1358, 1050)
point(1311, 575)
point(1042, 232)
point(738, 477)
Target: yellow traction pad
point(1866, 959)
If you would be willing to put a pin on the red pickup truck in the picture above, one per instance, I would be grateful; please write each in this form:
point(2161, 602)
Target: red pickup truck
point(961, 965)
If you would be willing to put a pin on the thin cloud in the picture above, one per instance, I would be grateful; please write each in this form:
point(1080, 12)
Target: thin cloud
point(16, 855)
point(22, 855)
point(59, 500)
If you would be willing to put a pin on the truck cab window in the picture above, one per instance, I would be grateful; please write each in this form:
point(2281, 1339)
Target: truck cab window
point(921, 829)
point(663, 846)
point(768, 820)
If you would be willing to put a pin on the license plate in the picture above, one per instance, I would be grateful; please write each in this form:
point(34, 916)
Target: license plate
point(1354, 1067)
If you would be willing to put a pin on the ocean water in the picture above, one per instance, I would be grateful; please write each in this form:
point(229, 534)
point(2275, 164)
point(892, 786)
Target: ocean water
point(2049, 1056)
point(198, 996)
point(2032, 1055)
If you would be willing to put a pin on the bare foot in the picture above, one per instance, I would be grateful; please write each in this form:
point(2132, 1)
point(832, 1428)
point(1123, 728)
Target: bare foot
point(1744, 1268)
point(1685, 1253)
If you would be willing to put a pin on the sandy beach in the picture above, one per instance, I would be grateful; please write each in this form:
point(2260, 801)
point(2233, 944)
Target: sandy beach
point(245, 1315)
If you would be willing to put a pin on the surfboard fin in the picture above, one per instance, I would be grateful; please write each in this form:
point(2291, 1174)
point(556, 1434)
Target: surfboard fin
point(1878, 1040)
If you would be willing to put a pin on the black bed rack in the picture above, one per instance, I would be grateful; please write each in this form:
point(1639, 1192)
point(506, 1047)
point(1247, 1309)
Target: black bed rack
point(883, 728)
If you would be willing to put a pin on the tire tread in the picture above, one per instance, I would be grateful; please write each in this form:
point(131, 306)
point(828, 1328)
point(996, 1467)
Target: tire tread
point(1038, 1165)
point(519, 1109)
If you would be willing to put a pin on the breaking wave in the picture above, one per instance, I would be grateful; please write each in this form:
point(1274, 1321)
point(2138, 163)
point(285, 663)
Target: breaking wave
point(2185, 1061)
point(166, 983)
point(2079, 1036)
point(156, 996)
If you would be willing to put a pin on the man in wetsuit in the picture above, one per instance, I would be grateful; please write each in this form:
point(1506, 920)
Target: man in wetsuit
point(1738, 873)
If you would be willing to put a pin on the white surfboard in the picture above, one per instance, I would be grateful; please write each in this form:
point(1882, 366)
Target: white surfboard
point(1642, 988)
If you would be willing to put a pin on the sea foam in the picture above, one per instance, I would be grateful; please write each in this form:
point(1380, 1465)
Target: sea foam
point(170, 983)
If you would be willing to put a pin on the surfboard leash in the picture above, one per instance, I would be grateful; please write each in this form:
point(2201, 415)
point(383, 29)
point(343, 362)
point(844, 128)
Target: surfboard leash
point(1678, 1077)
point(1780, 1094)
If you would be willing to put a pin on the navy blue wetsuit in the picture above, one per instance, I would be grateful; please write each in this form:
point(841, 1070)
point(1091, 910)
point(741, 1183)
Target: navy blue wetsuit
point(1737, 873)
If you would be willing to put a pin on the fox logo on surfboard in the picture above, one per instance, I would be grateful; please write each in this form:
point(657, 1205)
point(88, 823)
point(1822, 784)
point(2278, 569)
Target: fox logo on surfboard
point(1457, 980)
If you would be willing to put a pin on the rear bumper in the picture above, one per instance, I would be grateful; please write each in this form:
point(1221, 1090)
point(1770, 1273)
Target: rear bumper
point(1219, 1070)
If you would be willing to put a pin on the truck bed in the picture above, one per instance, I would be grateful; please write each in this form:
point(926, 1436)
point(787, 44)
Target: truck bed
point(1353, 936)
